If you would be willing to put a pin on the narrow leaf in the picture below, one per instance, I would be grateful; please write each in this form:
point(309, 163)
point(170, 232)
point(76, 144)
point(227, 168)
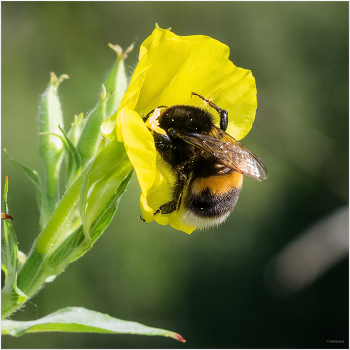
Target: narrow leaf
point(104, 218)
point(74, 160)
point(35, 179)
point(106, 215)
point(8, 240)
point(80, 320)
point(72, 247)
point(104, 190)
point(113, 154)
point(9, 260)
point(83, 199)
point(8, 252)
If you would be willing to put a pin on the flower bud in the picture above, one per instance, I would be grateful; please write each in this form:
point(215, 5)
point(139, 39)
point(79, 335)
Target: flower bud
point(21, 259)
point(76, 129)
point(51, 146)
point(91, 137)
point(116, 81)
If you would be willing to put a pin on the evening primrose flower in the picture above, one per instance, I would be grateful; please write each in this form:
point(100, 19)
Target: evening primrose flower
point(170, 68)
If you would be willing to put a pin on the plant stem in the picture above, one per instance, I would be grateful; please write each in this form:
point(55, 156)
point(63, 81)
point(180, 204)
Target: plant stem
point(59, 243)
point(35, 270)
point(52, 187)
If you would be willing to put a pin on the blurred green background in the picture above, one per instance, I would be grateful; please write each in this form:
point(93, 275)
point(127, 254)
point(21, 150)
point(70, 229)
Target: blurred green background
point(275, 275)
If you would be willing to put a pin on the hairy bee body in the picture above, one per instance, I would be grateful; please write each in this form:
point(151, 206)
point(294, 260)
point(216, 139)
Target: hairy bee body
point(203, 158)
point(213, 188)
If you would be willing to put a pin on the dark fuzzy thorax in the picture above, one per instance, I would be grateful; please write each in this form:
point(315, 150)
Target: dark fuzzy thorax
point(180, 153)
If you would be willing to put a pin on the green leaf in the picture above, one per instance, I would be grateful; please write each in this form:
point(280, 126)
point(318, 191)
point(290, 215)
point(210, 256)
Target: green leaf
point(103, 175)
point(73, 157)
point(35, 270)
point(9, 259)
point(104, 190)
point(83, 198)
point(71, 248)
point(74, 160)
point(80, 320)
point(116, 81)
point(106, 215)
point(41, 198)
point(112, 155)
point(8, 242)
point(5, 198)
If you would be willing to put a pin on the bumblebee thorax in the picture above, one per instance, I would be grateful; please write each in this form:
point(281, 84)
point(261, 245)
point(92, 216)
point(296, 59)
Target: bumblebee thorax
point(186, 118)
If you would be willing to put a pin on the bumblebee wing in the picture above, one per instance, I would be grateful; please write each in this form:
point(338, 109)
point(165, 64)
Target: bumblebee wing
point(210, 145)
point(228, 151)
point(250, 164)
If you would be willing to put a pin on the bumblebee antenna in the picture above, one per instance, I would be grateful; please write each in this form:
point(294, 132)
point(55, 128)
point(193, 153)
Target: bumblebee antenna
point(222, 112)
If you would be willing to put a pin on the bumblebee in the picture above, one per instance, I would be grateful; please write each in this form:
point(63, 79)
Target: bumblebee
point(208, 164)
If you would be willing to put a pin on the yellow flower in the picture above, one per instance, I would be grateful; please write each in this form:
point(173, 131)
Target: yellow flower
point(171, 67)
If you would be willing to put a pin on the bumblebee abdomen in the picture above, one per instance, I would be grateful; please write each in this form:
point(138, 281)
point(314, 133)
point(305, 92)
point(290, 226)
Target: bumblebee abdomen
point(208, 206)
point(214, 197)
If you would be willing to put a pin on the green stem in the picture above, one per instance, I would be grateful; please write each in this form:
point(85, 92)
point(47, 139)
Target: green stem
point(52, 185)
point(57, 245)
point(7, 302)
point(33, 273)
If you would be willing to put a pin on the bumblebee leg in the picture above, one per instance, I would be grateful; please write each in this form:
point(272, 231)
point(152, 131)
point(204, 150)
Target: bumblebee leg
point(180, 190)
point(222, 112)
point(162, 138)
point(175, 204)
point(166, 208)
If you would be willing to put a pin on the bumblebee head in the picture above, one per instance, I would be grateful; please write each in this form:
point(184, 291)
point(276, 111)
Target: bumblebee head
point(152, 121)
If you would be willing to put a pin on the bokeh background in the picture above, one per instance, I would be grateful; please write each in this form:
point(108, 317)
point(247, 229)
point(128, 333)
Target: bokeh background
point(275, 275)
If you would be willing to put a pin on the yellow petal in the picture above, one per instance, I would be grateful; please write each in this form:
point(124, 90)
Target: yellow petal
point(180, 65)
point(159, 194)
point(139, 145)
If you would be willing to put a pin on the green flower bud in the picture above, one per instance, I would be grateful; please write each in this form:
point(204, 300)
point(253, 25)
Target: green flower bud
point(91, 137)
point(76, 129)
point(21, 259)
point(51, 146)
point(116, 81)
